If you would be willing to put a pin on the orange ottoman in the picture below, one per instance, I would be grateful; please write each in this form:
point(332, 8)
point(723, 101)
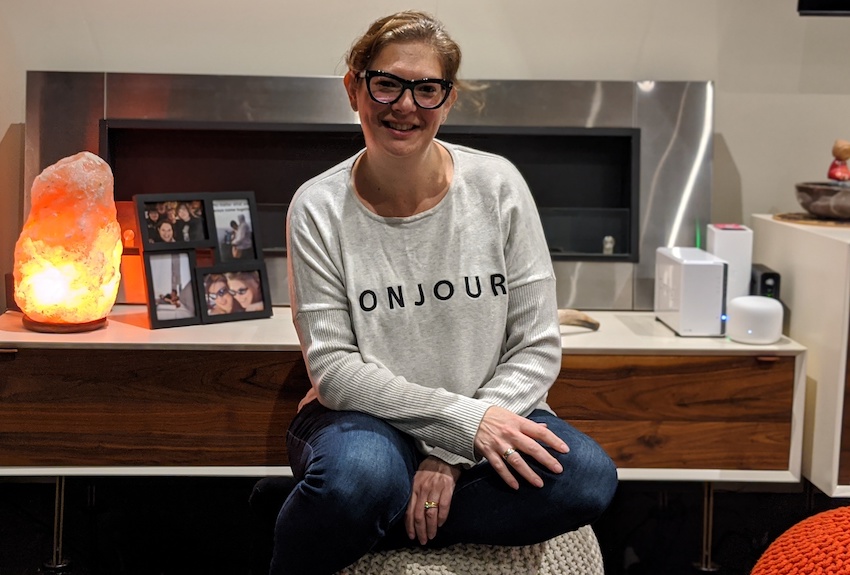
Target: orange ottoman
point(817, 545)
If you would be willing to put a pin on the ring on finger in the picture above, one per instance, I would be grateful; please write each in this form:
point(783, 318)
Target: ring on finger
point(508, 452)
point(431, 505)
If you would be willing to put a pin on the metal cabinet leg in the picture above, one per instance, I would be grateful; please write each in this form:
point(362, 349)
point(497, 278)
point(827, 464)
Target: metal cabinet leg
point(705, 563)
point(58, 564)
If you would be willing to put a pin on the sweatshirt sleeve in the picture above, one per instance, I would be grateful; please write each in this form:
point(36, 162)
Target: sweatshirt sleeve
point(532, 357)
point(344, 381)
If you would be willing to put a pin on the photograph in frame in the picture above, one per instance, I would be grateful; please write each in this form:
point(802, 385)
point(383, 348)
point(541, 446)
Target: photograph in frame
point(173, 221)
point(172, 297)
point(234, 291)
point(234, 223)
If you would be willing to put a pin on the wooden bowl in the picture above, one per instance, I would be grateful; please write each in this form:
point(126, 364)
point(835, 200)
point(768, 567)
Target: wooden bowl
point(825, 199)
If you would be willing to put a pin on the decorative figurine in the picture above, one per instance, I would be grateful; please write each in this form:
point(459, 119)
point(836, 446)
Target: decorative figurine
point(838, 169)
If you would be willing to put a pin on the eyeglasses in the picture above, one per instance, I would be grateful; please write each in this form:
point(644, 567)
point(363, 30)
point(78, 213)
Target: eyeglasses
point(220, 293)
point(386, 88)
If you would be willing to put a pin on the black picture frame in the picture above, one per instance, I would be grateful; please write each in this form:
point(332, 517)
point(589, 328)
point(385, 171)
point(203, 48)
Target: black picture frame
point(247, 294)
point(232, 213)
point(171, 288)
point(190, 224)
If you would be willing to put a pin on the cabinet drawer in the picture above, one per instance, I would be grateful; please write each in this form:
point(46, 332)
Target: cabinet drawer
point(695, 412)
point(88, 407)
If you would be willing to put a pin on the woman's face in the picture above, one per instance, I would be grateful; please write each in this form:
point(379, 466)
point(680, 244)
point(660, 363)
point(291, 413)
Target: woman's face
point(183, 213)
point(223, 302)
point(166, 232)
point(153, 215)
point(244, 294)
point(400, 129)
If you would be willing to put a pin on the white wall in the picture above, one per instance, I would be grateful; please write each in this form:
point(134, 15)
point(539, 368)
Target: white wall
point(782, 81)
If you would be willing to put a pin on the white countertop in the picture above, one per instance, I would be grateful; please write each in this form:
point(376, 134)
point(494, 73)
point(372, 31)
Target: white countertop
point(838, 230)
point(621, 332)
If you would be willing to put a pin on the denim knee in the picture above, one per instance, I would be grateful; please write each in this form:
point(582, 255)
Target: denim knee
point(593, 480)
point(589, 480)
point(363, 490)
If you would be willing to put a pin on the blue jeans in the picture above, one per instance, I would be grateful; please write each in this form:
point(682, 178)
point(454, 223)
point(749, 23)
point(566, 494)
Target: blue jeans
point(355, 474)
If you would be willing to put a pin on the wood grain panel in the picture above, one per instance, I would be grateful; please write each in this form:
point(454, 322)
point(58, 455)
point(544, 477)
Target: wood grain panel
point(201, 408)
point(693, 445)
point(147, 407)
point(688, 412)
point(674, 388)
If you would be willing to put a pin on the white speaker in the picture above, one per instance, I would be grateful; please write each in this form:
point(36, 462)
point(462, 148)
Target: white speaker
point(754, 319)
point(733, 243)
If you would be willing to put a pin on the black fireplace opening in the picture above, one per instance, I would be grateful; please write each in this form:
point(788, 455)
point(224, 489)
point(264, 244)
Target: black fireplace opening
point(585, 181)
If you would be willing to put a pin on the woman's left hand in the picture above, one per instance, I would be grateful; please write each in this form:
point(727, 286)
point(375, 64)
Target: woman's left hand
point(433, 483)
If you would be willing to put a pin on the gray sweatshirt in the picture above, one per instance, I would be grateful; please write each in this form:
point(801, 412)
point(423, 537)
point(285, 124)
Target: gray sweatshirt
point(426, 321)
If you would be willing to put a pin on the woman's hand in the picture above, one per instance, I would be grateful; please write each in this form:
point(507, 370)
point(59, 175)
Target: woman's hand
point(434, 482)
point(503, 435)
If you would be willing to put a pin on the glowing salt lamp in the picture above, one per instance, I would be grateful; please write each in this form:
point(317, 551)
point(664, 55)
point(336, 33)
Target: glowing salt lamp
point(67, 258)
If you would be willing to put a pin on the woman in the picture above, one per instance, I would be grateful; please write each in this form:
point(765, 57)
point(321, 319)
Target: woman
point(243, 243)
point(188, 228)
point(245, 287)
point(165, 231)
point(424, 299)
point(219, 297)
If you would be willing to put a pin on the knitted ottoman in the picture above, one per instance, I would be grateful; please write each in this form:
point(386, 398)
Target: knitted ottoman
point(574, 553)
point(818, 545)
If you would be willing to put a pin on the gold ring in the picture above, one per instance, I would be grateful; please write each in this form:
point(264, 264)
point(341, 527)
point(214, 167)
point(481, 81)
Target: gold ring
point(431, 505)
point(508, 452)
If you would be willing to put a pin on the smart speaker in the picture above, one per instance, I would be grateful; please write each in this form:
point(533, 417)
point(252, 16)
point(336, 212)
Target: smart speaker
point(733, 243)
point(754, 319)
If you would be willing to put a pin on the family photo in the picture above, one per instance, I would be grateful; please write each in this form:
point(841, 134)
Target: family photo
point(231, 294)
point(234, 229)
point(171, 289)
point(174, 221)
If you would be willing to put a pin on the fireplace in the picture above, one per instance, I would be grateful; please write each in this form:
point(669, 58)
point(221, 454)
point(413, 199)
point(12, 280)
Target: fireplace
point(616, 168)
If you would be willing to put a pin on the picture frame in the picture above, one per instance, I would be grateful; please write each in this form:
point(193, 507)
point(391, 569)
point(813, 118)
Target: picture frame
point(234, 225)
point(171, 288)
point(174, 221)
point(233, 291)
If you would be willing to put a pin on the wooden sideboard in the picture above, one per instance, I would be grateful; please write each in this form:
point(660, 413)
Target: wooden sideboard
point(813, 261)
point(217, 399)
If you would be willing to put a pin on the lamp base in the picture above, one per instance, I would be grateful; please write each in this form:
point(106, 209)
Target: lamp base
point(44, 327)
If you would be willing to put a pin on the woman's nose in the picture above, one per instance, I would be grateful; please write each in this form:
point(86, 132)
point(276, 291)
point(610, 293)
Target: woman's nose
point(406, 101)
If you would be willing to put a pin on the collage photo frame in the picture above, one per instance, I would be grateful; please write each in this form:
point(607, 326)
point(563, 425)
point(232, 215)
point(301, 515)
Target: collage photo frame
point(203, 259)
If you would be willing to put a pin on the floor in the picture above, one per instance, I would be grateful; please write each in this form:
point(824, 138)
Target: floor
point(185, 526)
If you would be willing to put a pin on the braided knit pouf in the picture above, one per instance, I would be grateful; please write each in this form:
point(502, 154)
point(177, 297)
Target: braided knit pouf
point(818, 545)
point(574, 553)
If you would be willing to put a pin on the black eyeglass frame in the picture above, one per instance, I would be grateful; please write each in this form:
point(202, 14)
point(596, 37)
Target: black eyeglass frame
point(406, 85)
point(212, 296)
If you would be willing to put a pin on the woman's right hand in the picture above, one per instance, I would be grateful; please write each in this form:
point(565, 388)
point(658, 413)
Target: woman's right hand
point(503, 435)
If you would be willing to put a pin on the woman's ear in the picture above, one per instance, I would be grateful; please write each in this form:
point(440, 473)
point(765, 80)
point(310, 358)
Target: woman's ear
point(350, 81)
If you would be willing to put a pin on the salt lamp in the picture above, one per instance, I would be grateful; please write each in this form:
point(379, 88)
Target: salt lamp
point(67, 258)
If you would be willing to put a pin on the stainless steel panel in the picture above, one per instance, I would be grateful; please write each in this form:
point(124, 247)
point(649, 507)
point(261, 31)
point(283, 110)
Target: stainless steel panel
point(676, 121)
point(546, 103)
point(594, 285)
point(278, 279)
point(62, 112)
point(241, 99)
